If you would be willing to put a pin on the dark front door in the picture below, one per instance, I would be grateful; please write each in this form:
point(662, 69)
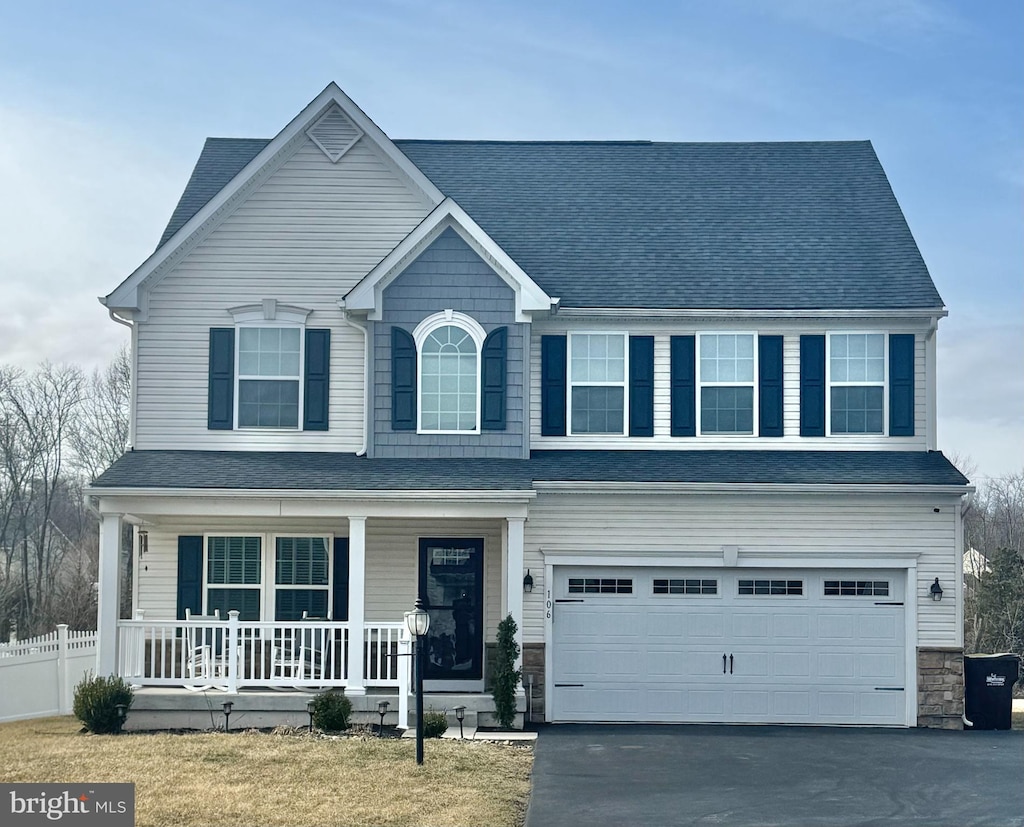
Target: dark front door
point(452, 591)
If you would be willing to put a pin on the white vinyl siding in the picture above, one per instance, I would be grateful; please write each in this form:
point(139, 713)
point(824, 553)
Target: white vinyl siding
point(681, 527)
point(305, 236)
point(791, 331)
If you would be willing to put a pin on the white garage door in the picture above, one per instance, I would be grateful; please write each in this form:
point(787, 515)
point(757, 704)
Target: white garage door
point(774, 646)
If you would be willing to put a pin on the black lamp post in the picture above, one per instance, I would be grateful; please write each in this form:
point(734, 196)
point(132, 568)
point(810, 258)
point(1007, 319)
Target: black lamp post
point(382, 710)
point(226, 706)
point(418, 622)
point(460, 716)
point(310, 706)
point(122, 716)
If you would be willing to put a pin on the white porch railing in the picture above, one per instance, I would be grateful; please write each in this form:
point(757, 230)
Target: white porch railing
point(231, 654)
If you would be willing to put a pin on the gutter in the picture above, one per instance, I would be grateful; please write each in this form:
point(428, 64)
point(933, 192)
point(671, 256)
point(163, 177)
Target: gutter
point(745, 487)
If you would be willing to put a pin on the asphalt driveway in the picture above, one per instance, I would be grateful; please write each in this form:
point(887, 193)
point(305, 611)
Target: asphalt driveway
point(624, 775)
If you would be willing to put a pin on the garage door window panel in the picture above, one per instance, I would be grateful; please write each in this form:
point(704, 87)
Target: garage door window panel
point(600, 585)
point(685, 586)
point(770, 588)
point(856, 588)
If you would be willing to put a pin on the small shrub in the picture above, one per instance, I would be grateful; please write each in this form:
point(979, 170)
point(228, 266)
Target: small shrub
point(331, 711)
point(96, 701)
point(434, 724)
point(506, 677)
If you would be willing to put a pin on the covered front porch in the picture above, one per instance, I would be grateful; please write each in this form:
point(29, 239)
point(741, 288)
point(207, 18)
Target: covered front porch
point(202, 634)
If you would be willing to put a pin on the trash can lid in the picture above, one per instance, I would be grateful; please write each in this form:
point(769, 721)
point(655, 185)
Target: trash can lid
point(1003, 655)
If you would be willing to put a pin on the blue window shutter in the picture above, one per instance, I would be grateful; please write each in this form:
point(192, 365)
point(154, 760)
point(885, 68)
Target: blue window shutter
point(316, 380)
point(220, 412)
point(641, 386)
point(494, 359)
point(552, 385)
point(812, 386)
point(684, 386)
point(901, 384)
point(339, 601)
point(190, 575)
point(403, 380)
point(769, 391)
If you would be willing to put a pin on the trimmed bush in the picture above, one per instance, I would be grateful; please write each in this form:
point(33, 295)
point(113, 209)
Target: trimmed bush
point(331, 711)
point(96, 701)
point(434, 724)
point(506, 677)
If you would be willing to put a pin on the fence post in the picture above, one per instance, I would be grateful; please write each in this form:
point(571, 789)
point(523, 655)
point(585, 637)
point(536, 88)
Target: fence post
point(232, 651)
point(63, 701)
point(404, 662)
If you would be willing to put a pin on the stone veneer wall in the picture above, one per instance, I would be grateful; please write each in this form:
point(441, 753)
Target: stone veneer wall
point(533, 664)
point(940, 687)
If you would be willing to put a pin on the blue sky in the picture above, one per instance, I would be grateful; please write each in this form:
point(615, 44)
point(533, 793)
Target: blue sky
point(104, 107)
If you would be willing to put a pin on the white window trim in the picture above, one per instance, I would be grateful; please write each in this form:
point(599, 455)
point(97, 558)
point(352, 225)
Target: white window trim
point(624, 384)
point(281, 324)
point(268, 574)
point(829, 384)
point(701, 384)
point(447, 318)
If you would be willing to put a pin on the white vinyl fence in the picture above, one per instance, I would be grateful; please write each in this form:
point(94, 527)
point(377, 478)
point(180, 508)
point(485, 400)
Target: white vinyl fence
point(38, 676)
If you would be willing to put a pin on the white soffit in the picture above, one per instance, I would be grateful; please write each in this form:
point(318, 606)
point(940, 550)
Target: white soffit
point(126, 296)
point(366, 296)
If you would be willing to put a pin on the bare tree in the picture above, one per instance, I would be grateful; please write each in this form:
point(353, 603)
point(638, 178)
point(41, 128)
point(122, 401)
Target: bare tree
point(100, 435)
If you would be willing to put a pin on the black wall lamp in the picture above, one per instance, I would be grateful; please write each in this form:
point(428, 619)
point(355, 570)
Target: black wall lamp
point(936, 590)
point(528, 582)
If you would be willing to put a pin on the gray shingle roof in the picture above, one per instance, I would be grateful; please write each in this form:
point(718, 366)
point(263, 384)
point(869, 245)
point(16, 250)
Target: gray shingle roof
point(331, 471)
point(693, 225)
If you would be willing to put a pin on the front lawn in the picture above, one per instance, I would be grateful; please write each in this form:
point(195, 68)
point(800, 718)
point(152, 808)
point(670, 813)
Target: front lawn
point(217, 780)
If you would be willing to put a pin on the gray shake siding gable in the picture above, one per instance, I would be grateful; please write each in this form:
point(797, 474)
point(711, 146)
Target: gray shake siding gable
point(449, 275)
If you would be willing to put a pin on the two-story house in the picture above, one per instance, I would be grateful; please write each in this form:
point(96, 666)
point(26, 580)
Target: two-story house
point(671, 406)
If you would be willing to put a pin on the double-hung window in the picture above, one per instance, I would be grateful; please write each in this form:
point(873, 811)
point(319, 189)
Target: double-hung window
point(727, 371)
point(269, 376)
point(857, 383)
point(597, 381)
point(302, 577)
point(234, 576)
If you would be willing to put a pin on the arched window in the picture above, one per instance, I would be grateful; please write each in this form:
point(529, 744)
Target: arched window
point(449, 373)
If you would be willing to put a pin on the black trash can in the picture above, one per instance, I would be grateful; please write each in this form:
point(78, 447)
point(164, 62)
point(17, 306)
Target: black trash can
point(988, 690)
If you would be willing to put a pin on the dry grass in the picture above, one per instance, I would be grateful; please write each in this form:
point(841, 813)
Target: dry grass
point(216, 780)
point(1017, 719)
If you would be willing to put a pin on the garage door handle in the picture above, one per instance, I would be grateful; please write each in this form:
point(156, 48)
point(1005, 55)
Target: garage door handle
point(730, 664)
point(723, 663)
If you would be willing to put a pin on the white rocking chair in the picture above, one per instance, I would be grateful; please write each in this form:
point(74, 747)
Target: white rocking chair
point(205, 650)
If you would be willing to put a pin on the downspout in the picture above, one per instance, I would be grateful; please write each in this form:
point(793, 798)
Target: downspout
point(362, 328)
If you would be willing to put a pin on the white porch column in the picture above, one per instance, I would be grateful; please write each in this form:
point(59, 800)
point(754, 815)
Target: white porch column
point(109, 598)
point(514, 576)
point(356, 605)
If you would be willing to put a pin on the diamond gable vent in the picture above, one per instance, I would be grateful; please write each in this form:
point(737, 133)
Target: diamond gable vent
point(334, 133)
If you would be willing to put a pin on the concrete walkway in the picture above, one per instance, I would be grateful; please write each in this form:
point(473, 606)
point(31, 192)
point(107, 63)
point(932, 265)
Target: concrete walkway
point(627, 775)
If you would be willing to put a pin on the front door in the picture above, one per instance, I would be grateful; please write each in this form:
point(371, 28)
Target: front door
point(452, 591)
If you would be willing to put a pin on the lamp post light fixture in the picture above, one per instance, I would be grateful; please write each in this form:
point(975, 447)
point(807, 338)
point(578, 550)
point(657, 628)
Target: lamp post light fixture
point(460, 716)
point(122, 716)
point(936, 590)
point(528, 582)
point(310, 706)
point(226, 706)
point(418, 622)
point(382, 710)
